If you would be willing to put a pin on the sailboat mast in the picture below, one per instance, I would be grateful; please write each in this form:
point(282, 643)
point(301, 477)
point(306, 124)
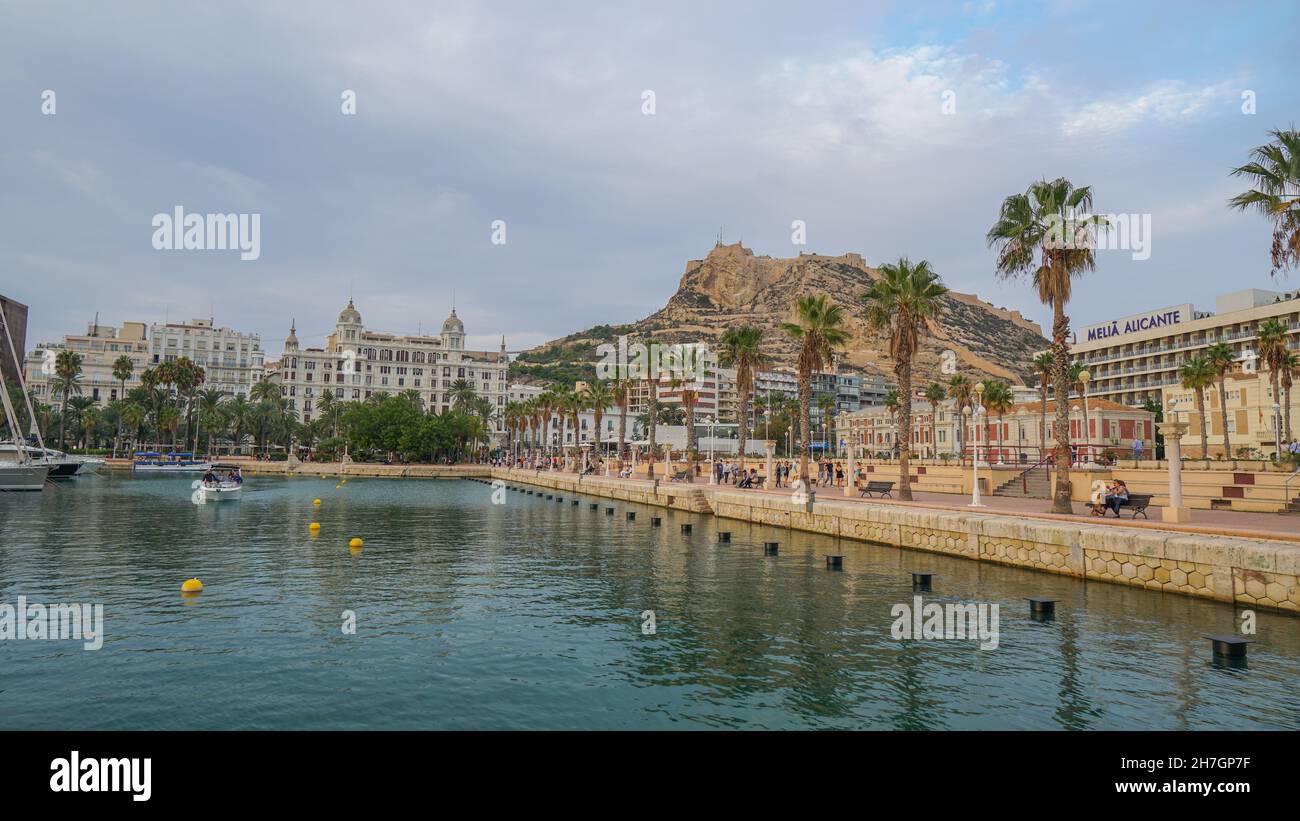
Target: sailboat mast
point(31, 412)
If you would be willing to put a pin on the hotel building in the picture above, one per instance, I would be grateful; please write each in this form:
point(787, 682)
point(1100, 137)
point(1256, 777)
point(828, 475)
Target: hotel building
point(356, 364)
point(1136, 359)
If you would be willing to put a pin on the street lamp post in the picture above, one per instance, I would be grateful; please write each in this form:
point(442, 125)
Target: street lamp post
point(974, 417)
point(713, 478)
point(1084, 376)
point(1277, 432)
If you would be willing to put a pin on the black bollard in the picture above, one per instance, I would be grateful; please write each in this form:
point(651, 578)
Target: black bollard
point(686, 528)
point(835, 562)
point(724, 535)
point(1228, 645)
point(575, 502)
point(609, 511)
point(594, 505)
point(1041, 606)
point(655, 521)
point(770, 548)
point(921, 581)
point(631, 516)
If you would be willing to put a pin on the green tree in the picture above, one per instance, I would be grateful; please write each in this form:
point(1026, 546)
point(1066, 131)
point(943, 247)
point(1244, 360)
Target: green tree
point(901, 302)
point(1221, 357)
point(934, 394)
point(1197, 374)
point(67, 376)
point(742, 350)
point(597, 396)
point(818, 327)
point(1044, 364)
point(1274, 171)
point(1041, 233)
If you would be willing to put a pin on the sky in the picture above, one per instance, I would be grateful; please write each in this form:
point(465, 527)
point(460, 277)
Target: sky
point(888, 129)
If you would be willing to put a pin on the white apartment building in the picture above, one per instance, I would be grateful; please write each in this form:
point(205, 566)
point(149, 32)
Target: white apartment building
point(356, 363)
point(100, 346)
point(232, 361)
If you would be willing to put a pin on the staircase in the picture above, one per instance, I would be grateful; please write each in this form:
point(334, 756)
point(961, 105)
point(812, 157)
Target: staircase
point(1034, 483)
point(1292, 508)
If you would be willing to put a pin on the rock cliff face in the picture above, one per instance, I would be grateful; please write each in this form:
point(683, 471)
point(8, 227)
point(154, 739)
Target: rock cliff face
point(732, 286)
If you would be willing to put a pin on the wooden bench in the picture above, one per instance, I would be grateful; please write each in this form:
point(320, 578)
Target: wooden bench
point(1137, 502)
point(679, 475)
point(882, 488)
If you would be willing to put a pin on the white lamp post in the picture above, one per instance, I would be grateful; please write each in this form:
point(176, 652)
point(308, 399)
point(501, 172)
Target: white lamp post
point(1277, 431)
point(1084, 376)
point(977, 412)
point(713, 478)
point(972, 418)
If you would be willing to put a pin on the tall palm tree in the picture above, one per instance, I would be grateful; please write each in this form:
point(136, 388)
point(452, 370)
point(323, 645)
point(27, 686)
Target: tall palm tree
point(210, 413)
point(239, 417)
point(934, 394)
point(1074, 375)
point(123, 367)
point(546, 406)
point(1290, 368)
point(998, 399)
point(1041, 232)
point(572, 403)
point(67, 372)
point(1197, 374)
point(902, 301)
point(960, 389)
point(741, 349)
point(620, 393)
point(597, 397)
point(652, 410)
point(689, 398)
point(133, 414)
point(1274, 169)
point(1273, 350)
point(1044, 365)
point(818, 327)
point(1221, 356)
point(77, 409)
point(462, 394)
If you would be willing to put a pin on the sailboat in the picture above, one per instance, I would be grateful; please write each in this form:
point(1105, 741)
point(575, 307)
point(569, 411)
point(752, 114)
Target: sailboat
point(22, 473)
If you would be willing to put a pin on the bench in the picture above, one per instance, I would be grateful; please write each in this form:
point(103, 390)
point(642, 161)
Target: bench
point(1138, 503)
point(882, 488)
point(679, 475)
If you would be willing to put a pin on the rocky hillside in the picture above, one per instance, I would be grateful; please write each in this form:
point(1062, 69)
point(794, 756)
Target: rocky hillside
point(732, 286)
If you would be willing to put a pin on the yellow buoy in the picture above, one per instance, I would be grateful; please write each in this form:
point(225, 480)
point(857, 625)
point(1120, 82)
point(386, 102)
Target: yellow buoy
point(314, 526)
point(192, 586)
point(355, 542)
point(315, 501)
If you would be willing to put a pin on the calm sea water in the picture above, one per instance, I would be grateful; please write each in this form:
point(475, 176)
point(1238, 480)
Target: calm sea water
point(528, 615)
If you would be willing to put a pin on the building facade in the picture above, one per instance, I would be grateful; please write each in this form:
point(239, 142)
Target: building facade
point(356, 364)
point(14, 315)
point(232, 361)
point(99, 348)
point(1136, 359)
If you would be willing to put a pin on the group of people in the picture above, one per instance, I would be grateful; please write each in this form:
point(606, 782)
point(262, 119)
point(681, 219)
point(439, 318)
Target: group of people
point(1113, 499)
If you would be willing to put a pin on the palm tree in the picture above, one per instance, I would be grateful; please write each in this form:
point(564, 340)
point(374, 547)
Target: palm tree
point(1038, 233)
point(741, 349)
point(818, 328)
point(935, 394)
point(462, 394)
point(571, 402)
point(67, 371)
point(905, 297)
point(76, 410)
point(239, 417)
point(1290, 366)
point(960, 389)
point(1273, 350)
point(1044, 364)
point(132, 415)
point(1197, 374)
point(620, 393)
point(652, 409)
point(1274, 169)
point(689, 398)
point(597, 397)
point(1221, 357)
point(998, 399)
point(1074, 375)
point(123, 367)
point(210, 413)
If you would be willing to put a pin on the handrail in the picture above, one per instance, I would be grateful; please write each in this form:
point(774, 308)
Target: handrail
point(1286, 486)
point(1024, 474)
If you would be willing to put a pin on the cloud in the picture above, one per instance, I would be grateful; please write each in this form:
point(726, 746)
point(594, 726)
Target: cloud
point(1167, 102)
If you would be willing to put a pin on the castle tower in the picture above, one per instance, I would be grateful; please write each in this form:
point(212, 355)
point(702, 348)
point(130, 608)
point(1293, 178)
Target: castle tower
point(453, 333)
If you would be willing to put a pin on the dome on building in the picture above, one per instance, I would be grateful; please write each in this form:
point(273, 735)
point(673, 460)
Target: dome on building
point(453, 325)
point(350, 315)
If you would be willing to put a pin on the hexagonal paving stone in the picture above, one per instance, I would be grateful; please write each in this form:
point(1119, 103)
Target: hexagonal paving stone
point(1178, 576)
point(1145, 573)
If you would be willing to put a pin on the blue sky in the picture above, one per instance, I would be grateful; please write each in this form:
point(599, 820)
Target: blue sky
point(531, 113)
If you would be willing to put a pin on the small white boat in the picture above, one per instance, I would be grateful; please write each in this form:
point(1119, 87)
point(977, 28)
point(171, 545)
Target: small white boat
point(149, 461)
point(223, 483)
point(61, 465)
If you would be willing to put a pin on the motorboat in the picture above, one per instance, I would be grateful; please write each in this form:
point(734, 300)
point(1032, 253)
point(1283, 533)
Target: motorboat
point(223, 483)
point(150, 461)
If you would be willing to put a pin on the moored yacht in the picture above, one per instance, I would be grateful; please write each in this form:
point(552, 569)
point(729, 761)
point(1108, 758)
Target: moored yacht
point(61, 465)
point(21, 476)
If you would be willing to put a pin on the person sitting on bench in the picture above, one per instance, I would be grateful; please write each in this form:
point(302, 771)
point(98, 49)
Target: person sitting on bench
point(1116, 496)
